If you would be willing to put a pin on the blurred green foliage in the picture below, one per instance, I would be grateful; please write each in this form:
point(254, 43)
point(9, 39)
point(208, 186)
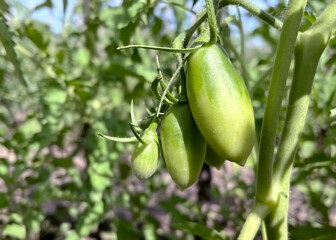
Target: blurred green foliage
point(58, 180)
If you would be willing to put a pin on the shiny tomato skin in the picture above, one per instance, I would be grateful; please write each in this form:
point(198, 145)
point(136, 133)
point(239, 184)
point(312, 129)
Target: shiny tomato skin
point(183, 145)
point(220, 103)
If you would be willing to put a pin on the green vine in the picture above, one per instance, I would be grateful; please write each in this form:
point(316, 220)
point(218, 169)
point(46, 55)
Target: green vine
point(310, 46)
point(265, 190)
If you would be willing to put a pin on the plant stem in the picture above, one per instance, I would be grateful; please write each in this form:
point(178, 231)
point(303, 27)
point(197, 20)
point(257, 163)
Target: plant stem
point(245, 73)
point(250, 7)
point(307, 55)
point(295, 116)
point(254, 220)
point(211, 13)
point(254, 10)
point(265, 191)
point(164, 49)
point(173, 80)
point(308, 51)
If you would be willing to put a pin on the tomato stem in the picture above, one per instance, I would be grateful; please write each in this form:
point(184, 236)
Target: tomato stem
point(164, 49)
point(265, 191)
point(118, 139)
point(172, 82)
point(246, 76)
point(309, 49)
point(252, 224)
point(256, 11)
point(247, 5)
point(211, 13)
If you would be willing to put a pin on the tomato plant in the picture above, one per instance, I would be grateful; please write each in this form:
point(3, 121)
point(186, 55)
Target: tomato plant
point(223, 112)
point(258, 109)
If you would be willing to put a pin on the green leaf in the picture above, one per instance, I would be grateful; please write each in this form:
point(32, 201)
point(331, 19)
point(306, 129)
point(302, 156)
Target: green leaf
point(82, 56)
point(135, 8)
point(14, 230)
point(6, 40)
point(3, 168)
point(98, 181)
point(194, 2)
point(3, 200)
point(317, 203)
point(200, 231)
point(127, 32)
point(310, 232)
point(47, 3)
point(118, 72)
point(33, 221)
point(30, 127)
point(90, 218)
point(4, 6)
point(55, 96)
point(83, 94)
point(62, 162)
point(126, 231)
point(72, 235)
point(36, 37)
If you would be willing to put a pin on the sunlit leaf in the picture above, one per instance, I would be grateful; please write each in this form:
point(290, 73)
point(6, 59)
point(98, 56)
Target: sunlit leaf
point(200, 231)
point(14, 230)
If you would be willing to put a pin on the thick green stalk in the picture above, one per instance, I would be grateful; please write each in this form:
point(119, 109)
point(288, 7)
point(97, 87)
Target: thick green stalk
point(307, 55)
point(309, 48)
point(258, 212)
point(308, 51)
point(265, 191)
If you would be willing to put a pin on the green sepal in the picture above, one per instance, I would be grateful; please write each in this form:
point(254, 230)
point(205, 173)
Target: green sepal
point(133, 119)
point(118, 139)
point(169, 95)
point(136, 134)
point(156, 93)
point(172, 81)
point(154, 88)
point(164, 49)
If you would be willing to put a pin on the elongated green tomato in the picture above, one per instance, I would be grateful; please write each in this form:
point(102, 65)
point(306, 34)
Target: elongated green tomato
point(212, 158)
point(183, 145)
point(146, 156)
point(220, 103)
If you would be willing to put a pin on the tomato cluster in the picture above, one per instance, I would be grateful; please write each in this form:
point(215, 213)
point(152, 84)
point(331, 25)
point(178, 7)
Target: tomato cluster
point(216, 124)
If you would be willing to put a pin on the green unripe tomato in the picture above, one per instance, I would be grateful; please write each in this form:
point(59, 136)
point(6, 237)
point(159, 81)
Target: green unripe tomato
point(146, 156)
point(183, 145)
point(212, 158)
point(220, 103)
